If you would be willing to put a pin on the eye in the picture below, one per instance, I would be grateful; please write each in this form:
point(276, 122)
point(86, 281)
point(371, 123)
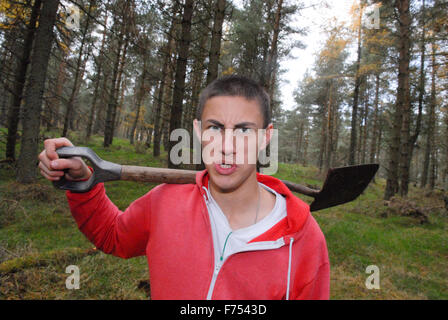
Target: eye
point(214, 128)
point(243, 130)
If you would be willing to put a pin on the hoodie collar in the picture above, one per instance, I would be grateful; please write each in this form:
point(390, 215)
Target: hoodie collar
point(297, 211)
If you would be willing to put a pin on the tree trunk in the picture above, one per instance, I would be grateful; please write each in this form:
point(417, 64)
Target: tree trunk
point(78, 73)
point(74, 121)
point(197, 80)
point(164, 83)
point(353, 133)
point(445, 171)
point(113, 96)
point(55, 101)
point(299, 142)
point(380, 135)
point(215, 46)
point(181, 67)
point(433, 168)
point(430, 123)
point(100, 117)
point(166, 108)
point(365, 125)
point(3, 92)
point(148, 137)
point(329, 132)
point(19, 83)
point(140, 96)
point(272, 58)
point(402, 102)
point(421, 89)
point(127, 13)
point(26, 172)
point(360, 119)
point(264, 47)
point(161, 105)
point(323, 141)
point(157, 115)
point(119, 109)
point(374, 138)
point(405, 135)
point(305, 151)
point(93, 106)
point(97, 81)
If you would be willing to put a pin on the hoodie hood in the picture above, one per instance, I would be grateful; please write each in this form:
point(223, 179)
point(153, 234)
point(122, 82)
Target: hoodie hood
point(297, 211)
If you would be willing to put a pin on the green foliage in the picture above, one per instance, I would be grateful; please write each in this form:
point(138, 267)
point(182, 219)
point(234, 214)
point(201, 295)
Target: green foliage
point(250, 39)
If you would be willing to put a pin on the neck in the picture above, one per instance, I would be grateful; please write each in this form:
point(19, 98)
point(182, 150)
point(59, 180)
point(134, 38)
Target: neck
point(246, 195)
point(240, 205)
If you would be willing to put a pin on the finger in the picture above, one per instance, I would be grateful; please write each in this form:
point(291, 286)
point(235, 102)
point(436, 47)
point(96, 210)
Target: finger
point(48, 177)
point(71, 178)
point(69, 163)
point(52, 144)
point(44, 159)
point(49, 172)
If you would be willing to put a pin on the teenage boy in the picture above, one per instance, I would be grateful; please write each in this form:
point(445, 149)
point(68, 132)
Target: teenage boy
point(235, 234)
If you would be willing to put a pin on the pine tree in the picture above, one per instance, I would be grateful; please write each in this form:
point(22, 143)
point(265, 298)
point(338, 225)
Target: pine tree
point(179, 79)
point(26, 172)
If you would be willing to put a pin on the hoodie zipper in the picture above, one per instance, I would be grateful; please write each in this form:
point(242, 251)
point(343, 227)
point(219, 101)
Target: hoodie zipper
point(216, 270)
point(218, 264)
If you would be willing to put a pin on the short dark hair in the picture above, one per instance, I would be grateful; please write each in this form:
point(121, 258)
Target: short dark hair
point(236, 86)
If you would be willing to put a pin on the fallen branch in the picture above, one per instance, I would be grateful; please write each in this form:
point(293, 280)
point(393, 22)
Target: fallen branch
point(407, 208)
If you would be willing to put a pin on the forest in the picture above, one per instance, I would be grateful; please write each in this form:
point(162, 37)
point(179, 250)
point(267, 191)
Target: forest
point(109, 71)
point(135, 69)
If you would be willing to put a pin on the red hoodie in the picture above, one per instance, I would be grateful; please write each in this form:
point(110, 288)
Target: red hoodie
point(170, 225)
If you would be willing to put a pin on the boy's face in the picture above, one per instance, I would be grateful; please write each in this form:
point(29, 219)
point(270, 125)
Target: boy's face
point(231, 139)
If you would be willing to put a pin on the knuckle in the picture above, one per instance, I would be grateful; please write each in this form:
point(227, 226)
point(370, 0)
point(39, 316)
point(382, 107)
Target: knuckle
point(43, 173)
point(67, 142)
point(77, 164)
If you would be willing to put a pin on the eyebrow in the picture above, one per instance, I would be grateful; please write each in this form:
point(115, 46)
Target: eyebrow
point(244, 124)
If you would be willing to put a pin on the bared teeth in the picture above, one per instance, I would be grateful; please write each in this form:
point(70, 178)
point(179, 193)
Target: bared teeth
point(226, 166)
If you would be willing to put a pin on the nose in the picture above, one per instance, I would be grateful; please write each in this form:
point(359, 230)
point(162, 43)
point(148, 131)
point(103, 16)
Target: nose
point(228, 143)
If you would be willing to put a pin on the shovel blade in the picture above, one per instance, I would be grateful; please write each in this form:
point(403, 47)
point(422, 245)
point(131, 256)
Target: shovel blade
point(343, 185)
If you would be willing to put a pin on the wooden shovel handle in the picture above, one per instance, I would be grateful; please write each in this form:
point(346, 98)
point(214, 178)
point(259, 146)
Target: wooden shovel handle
point(162, 175)
point(301, 189)
point(157, 175)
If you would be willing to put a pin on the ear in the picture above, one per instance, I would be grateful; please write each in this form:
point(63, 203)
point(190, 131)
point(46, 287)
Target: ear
point(197, 129)
point(266, 138)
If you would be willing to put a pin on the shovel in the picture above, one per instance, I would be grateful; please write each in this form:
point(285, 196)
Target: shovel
point(341, 185)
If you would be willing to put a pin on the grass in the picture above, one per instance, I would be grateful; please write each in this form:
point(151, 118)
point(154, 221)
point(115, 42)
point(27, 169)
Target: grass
point(39, 239)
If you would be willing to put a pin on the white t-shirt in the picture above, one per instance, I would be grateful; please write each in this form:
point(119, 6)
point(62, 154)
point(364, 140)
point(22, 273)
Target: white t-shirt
point(227, 241)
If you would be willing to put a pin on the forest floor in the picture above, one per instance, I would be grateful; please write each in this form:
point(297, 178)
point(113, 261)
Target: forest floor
point(39, 239)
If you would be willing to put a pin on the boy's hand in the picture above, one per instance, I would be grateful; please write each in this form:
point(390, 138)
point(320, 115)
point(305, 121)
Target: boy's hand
point(51, 166)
